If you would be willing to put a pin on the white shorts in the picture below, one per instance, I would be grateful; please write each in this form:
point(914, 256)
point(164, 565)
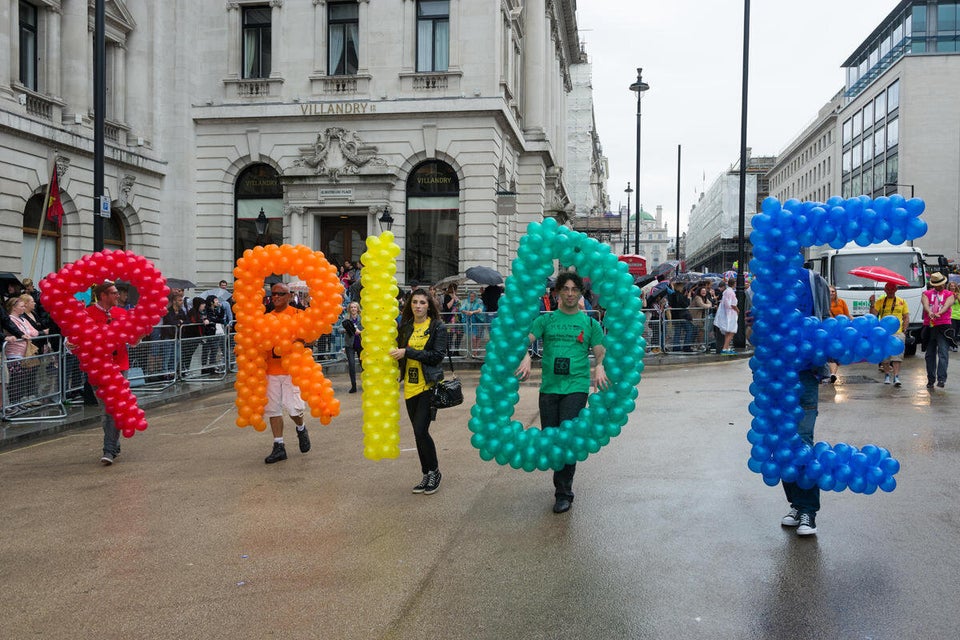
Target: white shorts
point(282, 394)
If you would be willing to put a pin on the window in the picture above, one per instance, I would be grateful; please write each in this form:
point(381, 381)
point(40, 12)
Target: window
point(893, 133)
point(48, 253)
point(878, 175)
point(893, 97)
point(868, 115)
point(893, 173)
point(847, 130)
point(946, 17)
point(880, 107)
point(433, 35)
point(258, 189)
point(947, 44)
point(256, 42)
point(857, 124)
point(879, 141)
point(343, 24)
point(28, 45)
point(919, 20)
point(857, 156)
point(867, 148)
point(433, 212)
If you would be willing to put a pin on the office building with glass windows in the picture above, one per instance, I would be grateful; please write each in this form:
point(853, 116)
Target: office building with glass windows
point(894, 126)
point(448, 116)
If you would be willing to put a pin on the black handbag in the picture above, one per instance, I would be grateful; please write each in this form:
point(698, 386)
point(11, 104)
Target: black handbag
point(447, 393)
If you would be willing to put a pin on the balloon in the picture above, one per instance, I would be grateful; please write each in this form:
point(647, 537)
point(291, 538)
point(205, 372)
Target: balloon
point(496, 435)
point(260, 335)
point(95, 343)
point(381, 389)
point(787, 343)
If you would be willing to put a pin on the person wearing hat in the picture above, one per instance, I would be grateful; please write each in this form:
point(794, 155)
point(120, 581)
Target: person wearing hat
point(937, 305)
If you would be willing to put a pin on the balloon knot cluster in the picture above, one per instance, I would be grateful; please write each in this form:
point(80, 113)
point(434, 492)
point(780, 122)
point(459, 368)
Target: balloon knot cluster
point(381, 389)
point(261, 335)
point(787, 343)
point(95, 344)
point(495, 434)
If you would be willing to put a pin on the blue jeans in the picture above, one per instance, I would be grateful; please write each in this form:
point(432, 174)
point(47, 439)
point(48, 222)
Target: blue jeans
point(111, 435)
point(683, 333)
point(554, 409)
point(806, 500)
point(938, 354)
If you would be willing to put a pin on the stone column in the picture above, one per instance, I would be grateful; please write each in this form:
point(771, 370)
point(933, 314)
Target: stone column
point(363, 34)
point(120, 82)
point(319, 36)
point(234, 63)
point(53, 47)
point(276, 39)
point(10, 41)
point(535, 67)
point(76, 58)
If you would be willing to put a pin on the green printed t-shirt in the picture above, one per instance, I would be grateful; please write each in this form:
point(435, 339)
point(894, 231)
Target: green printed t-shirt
point(567, 340)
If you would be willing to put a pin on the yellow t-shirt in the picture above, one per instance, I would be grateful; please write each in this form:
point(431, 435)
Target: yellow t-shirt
point(896, 308)
point(414, 384)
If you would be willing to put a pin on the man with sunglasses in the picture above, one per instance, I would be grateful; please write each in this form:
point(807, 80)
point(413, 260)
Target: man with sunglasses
point(281, 392)
point(104, 311)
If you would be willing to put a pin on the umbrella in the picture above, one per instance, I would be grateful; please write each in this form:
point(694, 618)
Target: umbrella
point(443, 283)
point(688, 277)
point(880, 274)
point(484, 275)
point(179, 283)
point(665, 268)
point(954, 277)
point(642, 281)
point(223, 294)
point(8, 278)
point(657, 292)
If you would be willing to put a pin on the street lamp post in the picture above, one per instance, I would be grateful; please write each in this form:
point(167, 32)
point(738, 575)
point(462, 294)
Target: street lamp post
point(639, 86)
point(261, 225)
point(740, 338)
point(385, 219)
point(626, 244)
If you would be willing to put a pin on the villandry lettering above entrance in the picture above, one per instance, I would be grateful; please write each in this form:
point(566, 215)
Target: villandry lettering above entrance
point(337, 108)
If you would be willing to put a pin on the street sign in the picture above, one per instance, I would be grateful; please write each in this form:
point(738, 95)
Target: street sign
point(104, 206)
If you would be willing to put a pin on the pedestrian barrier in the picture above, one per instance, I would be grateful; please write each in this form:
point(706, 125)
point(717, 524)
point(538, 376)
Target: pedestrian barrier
point(31, 385)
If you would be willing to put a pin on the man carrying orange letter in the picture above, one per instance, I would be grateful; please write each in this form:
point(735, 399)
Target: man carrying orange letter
point(281, 392)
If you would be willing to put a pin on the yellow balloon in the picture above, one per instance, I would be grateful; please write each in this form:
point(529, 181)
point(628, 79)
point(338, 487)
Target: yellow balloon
point(381, 389)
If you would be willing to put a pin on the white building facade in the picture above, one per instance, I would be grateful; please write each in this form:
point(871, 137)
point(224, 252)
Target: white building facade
point(807, 168)
point(448, 114)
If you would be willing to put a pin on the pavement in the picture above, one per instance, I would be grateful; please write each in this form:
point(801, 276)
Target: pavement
point(191, 535)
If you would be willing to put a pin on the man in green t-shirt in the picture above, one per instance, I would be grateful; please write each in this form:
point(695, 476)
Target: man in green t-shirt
point(568, 335)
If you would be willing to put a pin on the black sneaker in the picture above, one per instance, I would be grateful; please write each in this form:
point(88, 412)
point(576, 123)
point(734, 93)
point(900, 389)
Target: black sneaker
point(433, 482)
point(420, 488)
point(808, 525)
point(107, 459)
point(304, 440)
point(279, 453)
point(941, 384)
point(792, 519)
point(930, 384)
point(562, 505)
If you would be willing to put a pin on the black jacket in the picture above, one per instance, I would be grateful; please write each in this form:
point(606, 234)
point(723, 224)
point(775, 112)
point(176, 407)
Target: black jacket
point(433, 353)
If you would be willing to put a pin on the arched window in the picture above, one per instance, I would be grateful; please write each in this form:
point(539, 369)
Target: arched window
point(48, 254)
point(114, 235)
point(258, 189)
point(433, 210)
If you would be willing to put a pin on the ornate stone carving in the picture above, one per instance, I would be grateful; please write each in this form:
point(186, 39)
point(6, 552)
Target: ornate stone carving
point(63, 163)
point(126, 186)
point(338, 152)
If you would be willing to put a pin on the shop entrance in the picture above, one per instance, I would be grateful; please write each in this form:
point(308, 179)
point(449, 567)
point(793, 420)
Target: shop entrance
point(343, 238)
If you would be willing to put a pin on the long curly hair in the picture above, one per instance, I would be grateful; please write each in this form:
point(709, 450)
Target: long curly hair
point(433, 311)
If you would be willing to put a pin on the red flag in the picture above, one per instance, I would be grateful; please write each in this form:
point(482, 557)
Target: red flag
point(55, 205)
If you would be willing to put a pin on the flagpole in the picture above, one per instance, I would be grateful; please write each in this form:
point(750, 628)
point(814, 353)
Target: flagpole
point(43, 214)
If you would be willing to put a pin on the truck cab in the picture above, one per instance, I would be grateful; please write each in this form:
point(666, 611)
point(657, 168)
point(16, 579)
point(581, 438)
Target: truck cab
point(909, 262)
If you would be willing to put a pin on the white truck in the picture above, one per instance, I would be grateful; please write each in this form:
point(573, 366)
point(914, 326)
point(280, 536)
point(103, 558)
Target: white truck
point(909, 262)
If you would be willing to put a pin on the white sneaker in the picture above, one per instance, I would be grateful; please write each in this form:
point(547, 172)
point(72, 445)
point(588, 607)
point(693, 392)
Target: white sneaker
point(896, 381)
point(886, 379)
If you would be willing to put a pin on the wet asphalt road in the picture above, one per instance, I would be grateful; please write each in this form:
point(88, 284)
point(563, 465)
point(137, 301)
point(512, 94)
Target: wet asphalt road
point(190, 535)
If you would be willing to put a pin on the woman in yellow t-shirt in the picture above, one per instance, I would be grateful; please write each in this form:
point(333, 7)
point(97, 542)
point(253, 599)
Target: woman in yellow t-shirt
point(421, 347)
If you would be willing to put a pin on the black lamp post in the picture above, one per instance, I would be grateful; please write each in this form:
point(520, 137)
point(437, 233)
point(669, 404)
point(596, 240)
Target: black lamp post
point(385, 219)
point(261, 224)
point(740, 338)
point(639, 86)
point(626, 244)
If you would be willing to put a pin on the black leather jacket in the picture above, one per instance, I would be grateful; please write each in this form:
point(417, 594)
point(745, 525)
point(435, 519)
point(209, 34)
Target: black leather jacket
point(431, 356)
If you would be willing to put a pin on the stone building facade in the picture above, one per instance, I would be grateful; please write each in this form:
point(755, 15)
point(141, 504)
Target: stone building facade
point(450, 115)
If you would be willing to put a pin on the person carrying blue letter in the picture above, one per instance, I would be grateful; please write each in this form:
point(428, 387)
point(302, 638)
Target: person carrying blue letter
point(568, 335)
point(805, 503)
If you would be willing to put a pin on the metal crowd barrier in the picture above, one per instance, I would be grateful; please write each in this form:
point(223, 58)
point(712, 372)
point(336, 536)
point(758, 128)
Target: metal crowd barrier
point(203, 358)
point(680, 337)
point(32, 386)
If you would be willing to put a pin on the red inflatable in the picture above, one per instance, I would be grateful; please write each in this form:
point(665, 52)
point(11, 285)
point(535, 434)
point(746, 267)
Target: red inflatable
point(94, 344)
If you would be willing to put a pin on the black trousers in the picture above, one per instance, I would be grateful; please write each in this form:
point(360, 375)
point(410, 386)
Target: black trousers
point(554, 409)
point(421, 414)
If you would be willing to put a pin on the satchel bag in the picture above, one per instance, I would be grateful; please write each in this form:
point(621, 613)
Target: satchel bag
point(29, 361)
point(447, 393)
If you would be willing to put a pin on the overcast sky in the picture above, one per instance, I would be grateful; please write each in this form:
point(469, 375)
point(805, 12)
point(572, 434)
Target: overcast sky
point(691, 54)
